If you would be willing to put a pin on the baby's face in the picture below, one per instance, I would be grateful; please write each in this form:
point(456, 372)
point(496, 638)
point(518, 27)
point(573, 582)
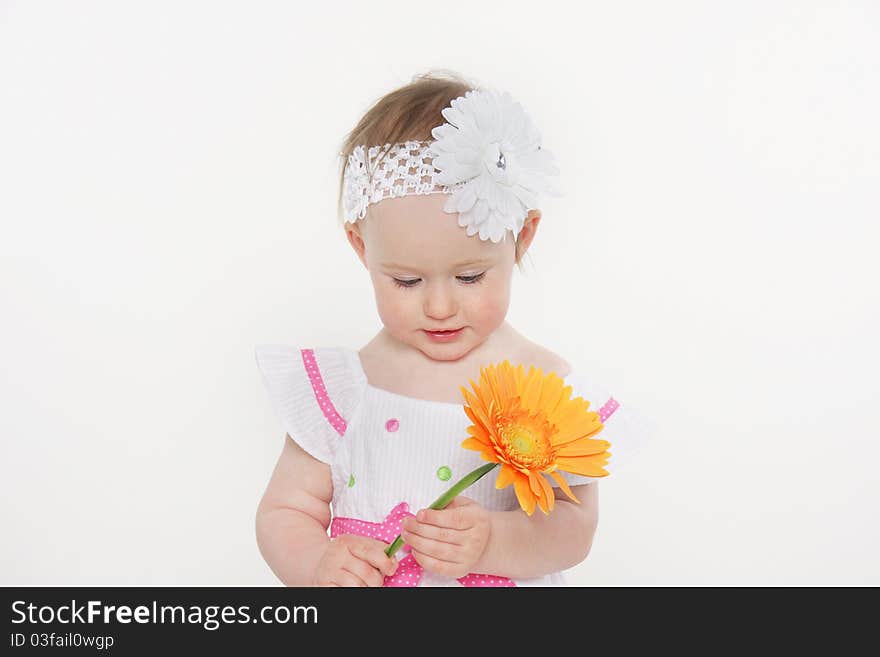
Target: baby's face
point(429, 275)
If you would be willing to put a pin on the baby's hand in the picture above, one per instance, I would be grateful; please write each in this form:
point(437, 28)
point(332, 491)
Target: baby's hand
point(354, 561)
point(450, 541)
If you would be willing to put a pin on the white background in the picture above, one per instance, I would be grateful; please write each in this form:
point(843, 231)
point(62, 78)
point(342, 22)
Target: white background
point(167, 195)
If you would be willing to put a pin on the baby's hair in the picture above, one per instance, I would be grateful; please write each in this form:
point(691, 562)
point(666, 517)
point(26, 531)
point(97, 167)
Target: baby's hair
point(407, 113)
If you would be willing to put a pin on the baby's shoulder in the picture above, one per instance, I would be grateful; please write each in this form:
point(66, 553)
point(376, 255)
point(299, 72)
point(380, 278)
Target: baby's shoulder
point(535, 355)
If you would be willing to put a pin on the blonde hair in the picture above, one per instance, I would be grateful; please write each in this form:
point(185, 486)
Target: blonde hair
point(406, 113)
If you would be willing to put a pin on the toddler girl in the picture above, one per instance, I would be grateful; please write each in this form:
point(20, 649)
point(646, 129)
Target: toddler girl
point(435, 175)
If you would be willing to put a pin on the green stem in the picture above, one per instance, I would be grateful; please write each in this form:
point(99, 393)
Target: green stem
point(442, 501)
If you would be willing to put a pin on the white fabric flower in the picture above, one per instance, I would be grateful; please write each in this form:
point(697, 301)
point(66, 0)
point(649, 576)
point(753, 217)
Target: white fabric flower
point(491, 152)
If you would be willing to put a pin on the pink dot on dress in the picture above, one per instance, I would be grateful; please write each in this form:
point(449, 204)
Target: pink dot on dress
point(392, 425)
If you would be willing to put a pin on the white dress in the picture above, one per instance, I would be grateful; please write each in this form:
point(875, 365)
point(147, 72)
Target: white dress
point(385, 449)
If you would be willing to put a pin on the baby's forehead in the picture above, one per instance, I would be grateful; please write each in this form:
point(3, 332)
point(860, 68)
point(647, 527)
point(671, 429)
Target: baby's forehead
point(416, 228)
point(427, 207)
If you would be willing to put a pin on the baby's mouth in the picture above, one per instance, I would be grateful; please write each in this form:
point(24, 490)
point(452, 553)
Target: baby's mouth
point(445, 334)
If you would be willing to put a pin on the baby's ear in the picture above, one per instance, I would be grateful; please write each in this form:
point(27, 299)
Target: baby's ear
point(527, 234)
point(353, 233)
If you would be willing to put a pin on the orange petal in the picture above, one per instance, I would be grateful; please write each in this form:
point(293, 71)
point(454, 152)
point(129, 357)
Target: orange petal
point(501, 377)
point(586, 466)
point(482, 416)
point(471, 415)
point(491, 383)
point(585, 447)
point(524, 494)
point(531, 392)
point(479, 432)
point(550, 393)
point(563, 484)
point(504, 390)
point(542, 504)
point(547, 497)
point(509, 378)
point(518, 379)
point(569, 412)
point(470, 400)
point(535, 483)
point(487, 452)
point(563, 400)
point(583, 426)
point(474, 443)
point(506, 477)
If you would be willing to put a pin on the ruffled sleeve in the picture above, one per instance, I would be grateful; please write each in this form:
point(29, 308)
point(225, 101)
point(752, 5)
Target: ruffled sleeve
point(313, 392)
point(624, 426)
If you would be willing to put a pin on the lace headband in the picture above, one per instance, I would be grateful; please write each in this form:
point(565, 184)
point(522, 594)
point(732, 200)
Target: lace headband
point(488, 157)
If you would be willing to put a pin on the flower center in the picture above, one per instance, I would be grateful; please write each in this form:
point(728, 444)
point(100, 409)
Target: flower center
point(525, 445)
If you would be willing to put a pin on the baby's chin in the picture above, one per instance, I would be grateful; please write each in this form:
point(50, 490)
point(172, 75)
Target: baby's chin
point(445, 355)
point(450, 351)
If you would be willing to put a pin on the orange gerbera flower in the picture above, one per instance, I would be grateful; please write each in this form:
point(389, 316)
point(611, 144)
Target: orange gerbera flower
point(530, 425)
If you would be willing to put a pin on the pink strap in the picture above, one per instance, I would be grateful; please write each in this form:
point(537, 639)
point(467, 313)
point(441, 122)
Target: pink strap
point(608, 409)
point(323, 399)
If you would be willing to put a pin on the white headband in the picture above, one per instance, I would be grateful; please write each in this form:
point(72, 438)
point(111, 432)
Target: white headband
point(488, 157)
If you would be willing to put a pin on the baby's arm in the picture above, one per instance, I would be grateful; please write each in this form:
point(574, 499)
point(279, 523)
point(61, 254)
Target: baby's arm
point(291, 523)
point(523, 546)
point(293, 515)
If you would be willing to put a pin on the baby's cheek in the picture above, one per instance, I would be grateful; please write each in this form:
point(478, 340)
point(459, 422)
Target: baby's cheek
point(492, 307)
point(392, 313)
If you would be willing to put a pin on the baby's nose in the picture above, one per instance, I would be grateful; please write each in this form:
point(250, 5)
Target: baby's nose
point(440, 302)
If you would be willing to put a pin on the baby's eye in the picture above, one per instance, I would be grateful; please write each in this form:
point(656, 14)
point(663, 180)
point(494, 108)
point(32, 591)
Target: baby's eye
point(471, 279)
point(406, 283)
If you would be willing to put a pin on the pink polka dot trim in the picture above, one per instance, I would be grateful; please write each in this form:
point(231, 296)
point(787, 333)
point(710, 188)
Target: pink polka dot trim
point(476, 579)
point(385, 531)
point(323, 399)
point(608, 409)
point(392, 425)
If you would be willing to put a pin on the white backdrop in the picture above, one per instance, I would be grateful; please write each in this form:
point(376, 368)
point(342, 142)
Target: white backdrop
point(167, 195)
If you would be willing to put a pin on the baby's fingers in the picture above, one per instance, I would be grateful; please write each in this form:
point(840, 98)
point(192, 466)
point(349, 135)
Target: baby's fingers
point(348, 579)
point(411, 527)
point(372, 552)
point(365, 571)
point(430, 547)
